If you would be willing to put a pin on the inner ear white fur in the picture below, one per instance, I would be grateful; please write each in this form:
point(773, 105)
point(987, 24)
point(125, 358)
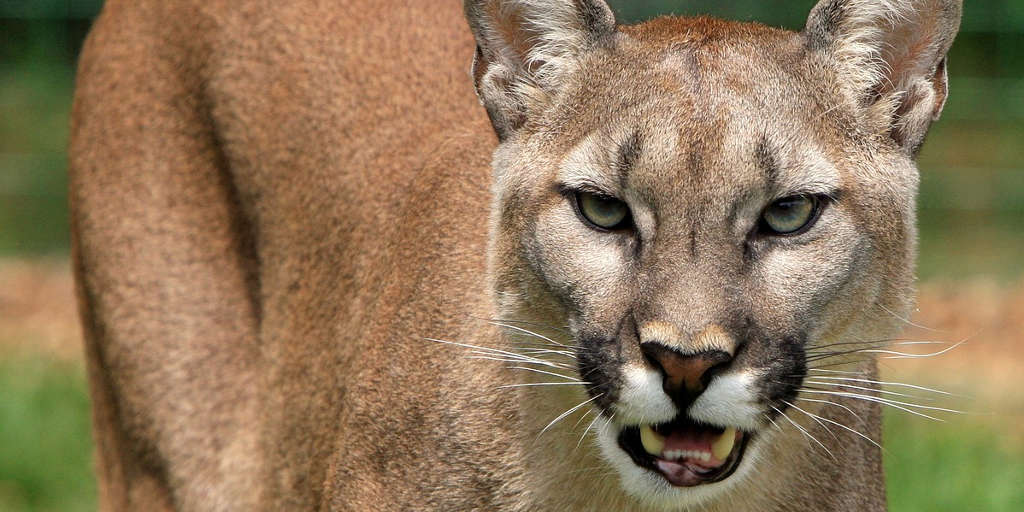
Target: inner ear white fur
point(891, 56)
point(525, 47)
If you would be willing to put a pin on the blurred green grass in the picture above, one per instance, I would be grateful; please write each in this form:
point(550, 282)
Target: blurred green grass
point(45, 443)
point(961, 465)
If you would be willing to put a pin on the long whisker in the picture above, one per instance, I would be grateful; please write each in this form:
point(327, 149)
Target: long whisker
point(523, 322)
point(486, 350)
point(883, 383)
point(836, 371)
point(840, 364)
point(806, 433)
point(590, 426)
point(529, 332)
point(530, 384)
point(836, 423)
point(873, 399)
point(814, 417)
point(879, 342)
point(847, 409)
point(905, 355)
point(570, 411)
point(520, 361)
point(565, 353)
point(907, 320)
point(843, 385)
point(818, 352)
point(574, 379)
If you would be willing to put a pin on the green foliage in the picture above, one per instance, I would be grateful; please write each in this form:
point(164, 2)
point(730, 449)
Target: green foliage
point(956, 466)
point(45, 446)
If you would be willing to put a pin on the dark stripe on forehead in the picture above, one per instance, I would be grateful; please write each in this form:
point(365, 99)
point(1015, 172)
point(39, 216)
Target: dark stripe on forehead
point(767, 159)
point(629, 151)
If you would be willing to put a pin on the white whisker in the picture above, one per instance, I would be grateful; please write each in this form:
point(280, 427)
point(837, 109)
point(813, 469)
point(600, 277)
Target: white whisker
point(847, 409)
point(843, 385)
point(574, 379)
point(835, 371)
point(566, 413)
point(907, 320)
point(836, 423)
point(905, 355)
point(549, 351)
point(806, 433)
point(880, 401)
point(529, 384)
point(524, 322)
point(520, 361)
point(590, 426)
point(814, 417)
point(896, 384)
point(487, 350)
point(528, 332)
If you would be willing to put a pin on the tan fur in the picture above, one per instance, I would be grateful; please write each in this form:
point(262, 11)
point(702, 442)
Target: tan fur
point(276, 205)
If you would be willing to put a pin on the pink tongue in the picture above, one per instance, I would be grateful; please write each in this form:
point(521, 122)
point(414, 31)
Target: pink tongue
point(693, 440)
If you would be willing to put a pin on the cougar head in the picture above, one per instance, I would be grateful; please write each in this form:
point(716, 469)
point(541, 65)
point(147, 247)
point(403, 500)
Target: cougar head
point(706, 207)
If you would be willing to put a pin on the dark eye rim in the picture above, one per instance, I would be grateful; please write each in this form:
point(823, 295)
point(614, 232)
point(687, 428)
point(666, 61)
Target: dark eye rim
point(573, 195)
point(818, 204)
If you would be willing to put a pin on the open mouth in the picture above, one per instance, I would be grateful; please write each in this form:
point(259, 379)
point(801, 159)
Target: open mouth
point(684, 452)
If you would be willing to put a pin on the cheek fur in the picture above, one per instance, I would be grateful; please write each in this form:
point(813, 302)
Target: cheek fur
point(583, 267)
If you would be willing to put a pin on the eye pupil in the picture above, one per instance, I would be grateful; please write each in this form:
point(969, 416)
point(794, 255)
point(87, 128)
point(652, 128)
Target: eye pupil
point(602, 211)
point(790, 214)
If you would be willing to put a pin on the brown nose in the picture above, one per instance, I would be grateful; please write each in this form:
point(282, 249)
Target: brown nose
point(685, 375)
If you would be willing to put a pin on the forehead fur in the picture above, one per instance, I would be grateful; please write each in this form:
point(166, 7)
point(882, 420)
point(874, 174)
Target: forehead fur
point(668, 102)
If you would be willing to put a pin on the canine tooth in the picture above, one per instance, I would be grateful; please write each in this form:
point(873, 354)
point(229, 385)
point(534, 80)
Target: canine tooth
point(722, 446)
point(652, 441)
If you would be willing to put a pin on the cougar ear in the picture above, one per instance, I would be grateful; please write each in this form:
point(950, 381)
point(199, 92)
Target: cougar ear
point(525, 47)
point(891, 56)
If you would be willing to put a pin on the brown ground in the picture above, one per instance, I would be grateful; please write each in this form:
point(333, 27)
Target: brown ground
point(38, 316)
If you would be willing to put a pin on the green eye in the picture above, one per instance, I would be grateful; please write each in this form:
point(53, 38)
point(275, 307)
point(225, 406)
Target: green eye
point(601, 211)
point(790, 215)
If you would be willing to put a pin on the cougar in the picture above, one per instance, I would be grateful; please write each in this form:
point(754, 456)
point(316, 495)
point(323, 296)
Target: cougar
point(648, 273)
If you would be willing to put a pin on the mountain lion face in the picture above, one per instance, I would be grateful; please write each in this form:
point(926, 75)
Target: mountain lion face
point(705, 213)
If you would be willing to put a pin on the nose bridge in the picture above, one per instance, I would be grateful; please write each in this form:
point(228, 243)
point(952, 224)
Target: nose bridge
point(687, 282)
point(686, 309)
point(711, 337)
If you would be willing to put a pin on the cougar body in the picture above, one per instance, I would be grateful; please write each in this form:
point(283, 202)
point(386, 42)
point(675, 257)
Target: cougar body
point(315, 273)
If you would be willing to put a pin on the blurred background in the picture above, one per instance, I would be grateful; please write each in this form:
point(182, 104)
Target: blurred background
point(971, 263)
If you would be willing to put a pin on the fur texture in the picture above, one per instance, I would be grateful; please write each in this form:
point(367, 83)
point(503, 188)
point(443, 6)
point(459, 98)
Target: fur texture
point(308, 280)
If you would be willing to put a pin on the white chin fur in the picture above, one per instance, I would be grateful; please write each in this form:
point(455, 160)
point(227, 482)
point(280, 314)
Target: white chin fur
point(653, 491)
point(729, 401)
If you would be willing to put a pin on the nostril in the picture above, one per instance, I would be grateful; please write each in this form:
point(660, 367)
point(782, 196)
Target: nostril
point(685, 375)
point(651, 352)
point(715, 370)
